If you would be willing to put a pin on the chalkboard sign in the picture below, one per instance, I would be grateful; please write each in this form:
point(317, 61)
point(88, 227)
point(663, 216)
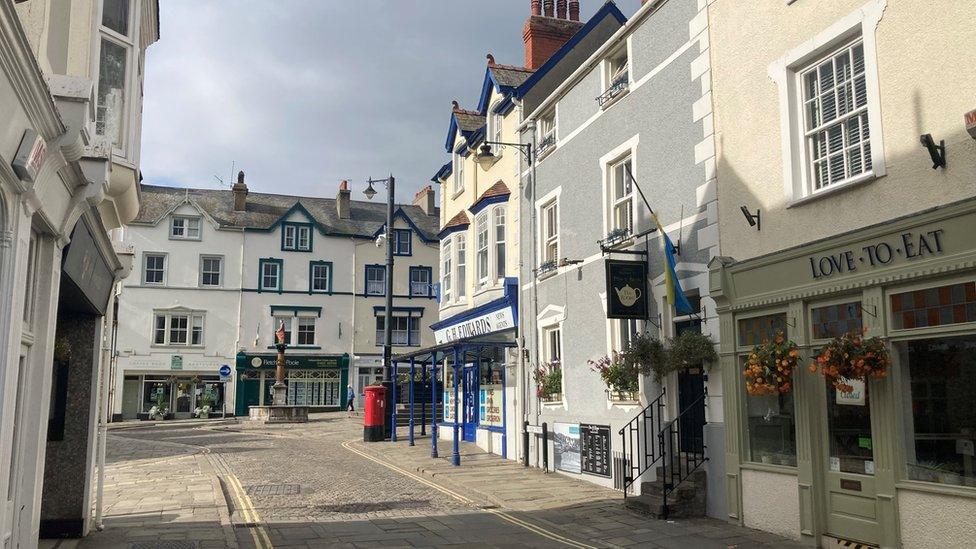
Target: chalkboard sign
point(596, 449)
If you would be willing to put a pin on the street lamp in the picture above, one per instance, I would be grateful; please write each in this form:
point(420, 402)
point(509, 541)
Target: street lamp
point(370, 192)
point(485, 158)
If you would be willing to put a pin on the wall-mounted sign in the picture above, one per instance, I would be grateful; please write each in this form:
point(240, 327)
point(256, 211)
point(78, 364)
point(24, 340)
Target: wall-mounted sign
point(30, 155)
point(855, 397)
point(176, 363)
point(295, 361)
point(566, 442)
point(224, 372)
point(627, 295)
point(494, 321)
point(971, 123)
point(595, 454)
point(906, 246)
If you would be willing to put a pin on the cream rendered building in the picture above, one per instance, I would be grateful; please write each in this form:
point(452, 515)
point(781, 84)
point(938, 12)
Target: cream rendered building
point(828, 117)
point(71, 78)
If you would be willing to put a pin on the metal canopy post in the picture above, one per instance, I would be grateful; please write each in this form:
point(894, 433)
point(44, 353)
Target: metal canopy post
point(423, 403)
point(504, 374)
point(433, 405)
point(456, 454)
point(393, 406)
point(412, 373)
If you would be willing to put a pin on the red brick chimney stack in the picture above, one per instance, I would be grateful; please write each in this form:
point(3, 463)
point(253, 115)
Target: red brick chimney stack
point(545, 34)
point(425, 199)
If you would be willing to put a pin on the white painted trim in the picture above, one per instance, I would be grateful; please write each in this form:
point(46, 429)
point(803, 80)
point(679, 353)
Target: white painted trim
point(627, 148)
point(540, 206)
point(785, 73)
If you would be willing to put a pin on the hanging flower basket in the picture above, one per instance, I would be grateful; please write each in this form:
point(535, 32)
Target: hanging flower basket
point(769, 368)
point(851, 356)
point(691, 349)
point(619, 374)
point(646, 354)
point(549, 381)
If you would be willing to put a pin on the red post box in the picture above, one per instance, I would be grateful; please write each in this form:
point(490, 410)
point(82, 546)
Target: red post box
point(374, 413)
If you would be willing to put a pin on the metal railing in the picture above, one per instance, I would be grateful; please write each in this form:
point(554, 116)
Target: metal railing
point(619, 83)
point(640, 448)
point(683, 442)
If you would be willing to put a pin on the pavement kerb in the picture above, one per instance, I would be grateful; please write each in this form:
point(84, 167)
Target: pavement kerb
point(121, 426)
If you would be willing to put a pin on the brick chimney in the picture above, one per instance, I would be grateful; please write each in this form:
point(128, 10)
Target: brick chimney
point(240, 193)
point(548, 28)
point(342, 200)
point(425, 199)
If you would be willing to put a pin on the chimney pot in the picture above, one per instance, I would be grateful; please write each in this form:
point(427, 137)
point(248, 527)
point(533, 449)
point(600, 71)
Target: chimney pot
point(536, 7)
point(342, 200)
point(574, 10)
point(547, 4)
point(560, 9)
point(543, 36)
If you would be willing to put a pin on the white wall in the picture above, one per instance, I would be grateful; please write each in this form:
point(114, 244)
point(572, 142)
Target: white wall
point(771, 502)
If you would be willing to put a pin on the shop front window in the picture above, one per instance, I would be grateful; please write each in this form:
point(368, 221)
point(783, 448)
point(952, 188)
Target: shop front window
point(937, 399)
point(153, 391)
point(849, 430)
point(771, 419)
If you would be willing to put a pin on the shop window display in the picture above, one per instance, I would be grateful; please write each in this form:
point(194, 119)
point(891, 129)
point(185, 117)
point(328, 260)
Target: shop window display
point(940, 420)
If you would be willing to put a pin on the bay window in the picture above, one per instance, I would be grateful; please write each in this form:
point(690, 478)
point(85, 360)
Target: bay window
point(446, 271)
point(499, 221)
point(114, 66)
point(481, 236)
point(462, 261)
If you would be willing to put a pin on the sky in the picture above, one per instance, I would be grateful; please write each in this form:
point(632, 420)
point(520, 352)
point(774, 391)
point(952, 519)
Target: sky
point(301, 94)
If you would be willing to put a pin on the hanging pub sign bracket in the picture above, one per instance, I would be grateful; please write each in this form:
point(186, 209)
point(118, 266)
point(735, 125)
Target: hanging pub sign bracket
point(627, 291)
point(873, 313)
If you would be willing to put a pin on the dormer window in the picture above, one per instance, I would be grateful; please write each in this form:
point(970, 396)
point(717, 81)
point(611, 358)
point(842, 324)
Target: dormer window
point(184, 228)
point(547, 133)
point(616, 77)
point(458, 173)
point(296, 237)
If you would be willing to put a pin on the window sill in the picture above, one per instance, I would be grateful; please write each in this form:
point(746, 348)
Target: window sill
point(834, 189)
point(197, 239)
point(457, 193)
point(548, 274)
point(299, 347)
point(188, 347)
point(610, 102)
point(935, 488)
point(541, 155)
point(769, 468)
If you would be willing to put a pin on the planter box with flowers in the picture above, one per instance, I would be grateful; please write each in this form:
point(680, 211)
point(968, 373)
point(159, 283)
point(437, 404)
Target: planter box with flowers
point(549, 382)
point(622, 377)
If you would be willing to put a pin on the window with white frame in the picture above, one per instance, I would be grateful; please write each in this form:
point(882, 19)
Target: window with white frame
point(305, 330)
point(114, 65)
point(499, 223)
point(835, 112)
point(420, 281)
point(405, 330)
point(622, 197)
point(462, 269)
point(321, 276)
point(178, 328)
point(184, 228)
point(624, 331)
point(550, 232)
point(616, 76)
point(30, 288)
point(296, 237)
point(546, 132)
point(154, 269)
point(552, 344)
point(270, 274)
point(375, 280)
point(481, 235)
point(495, 123)
point(446, 271)
point(458, 173)
point(211, 267)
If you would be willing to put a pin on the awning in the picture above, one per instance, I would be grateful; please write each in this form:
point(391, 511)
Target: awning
point(468, 349)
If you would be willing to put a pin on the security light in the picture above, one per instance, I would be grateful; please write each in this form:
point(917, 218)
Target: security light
point(937, 152)
point(753, 218)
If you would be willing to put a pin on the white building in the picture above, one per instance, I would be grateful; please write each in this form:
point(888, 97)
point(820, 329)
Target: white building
point(71, 90)
point(221, 270)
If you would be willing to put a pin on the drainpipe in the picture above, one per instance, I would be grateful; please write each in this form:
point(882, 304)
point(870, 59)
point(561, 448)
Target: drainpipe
point(535, 261)
point(110, 320)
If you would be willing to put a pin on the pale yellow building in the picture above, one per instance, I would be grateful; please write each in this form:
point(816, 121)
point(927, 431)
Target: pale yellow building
point(838, 214)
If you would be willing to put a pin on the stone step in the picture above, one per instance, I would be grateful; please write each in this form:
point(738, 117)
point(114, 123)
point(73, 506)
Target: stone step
point(683, 491)
point(654, 506)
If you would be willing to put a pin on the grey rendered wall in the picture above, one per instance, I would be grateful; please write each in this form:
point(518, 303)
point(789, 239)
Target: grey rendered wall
point(673, 173)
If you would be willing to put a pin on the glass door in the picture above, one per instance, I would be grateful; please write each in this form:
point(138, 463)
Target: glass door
point(852, 511)
point(184, 399)
point(470, 409)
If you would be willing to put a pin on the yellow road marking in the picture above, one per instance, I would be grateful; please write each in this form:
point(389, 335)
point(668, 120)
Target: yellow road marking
point(251, 516)
point(500, 514)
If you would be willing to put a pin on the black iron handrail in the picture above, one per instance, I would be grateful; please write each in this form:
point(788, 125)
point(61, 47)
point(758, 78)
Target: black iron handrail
point(640, 449)
point(681, 461)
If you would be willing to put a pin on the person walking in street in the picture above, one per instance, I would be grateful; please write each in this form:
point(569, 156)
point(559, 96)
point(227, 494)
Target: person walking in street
point(350, 400)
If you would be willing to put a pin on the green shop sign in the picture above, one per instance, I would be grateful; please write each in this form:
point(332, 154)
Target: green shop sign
point(269, 362)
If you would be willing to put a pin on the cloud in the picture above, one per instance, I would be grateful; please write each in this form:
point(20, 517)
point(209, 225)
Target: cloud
point(302, 94)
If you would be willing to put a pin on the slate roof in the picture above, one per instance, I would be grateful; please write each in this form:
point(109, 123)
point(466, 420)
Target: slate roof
point(469, 121)
point(264, 210)
point(509, 76)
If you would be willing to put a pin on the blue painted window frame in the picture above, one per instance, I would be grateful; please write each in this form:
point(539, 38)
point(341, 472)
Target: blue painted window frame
point(430, 281)
point(311, 276)
point(281, 273)
point(297, 226)
point(368, 268)
point(397, 234)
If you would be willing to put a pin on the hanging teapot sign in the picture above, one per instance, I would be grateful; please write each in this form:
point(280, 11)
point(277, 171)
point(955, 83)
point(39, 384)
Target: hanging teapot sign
point(627, 289)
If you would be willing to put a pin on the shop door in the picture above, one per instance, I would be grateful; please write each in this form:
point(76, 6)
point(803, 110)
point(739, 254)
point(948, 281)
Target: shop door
point(184, 399)
point(131, 389)
point(852, 511)
point(691, 390)
point(470, 409)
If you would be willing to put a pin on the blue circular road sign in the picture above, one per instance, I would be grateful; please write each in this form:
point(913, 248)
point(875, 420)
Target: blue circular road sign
point(224, 370)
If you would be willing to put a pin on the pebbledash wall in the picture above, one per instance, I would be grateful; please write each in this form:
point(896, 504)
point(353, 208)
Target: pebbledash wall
point(881, 241)
point(659, 123)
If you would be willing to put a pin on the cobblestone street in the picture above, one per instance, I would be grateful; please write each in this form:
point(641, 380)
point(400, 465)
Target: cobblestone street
point(175, 486)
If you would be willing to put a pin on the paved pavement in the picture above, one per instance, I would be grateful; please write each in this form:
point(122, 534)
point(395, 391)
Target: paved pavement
point(175, 486)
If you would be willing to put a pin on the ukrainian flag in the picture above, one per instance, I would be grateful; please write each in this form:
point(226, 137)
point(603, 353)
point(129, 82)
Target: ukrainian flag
point(676, 296)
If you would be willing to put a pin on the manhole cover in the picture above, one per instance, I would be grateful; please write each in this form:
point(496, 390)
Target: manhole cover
point(164, 544)
point(274, 489)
